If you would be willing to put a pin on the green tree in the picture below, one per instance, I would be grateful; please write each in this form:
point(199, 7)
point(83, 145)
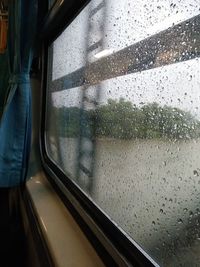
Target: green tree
point(123, 120)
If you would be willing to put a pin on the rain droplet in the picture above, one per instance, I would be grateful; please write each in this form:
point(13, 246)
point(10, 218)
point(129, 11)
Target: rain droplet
point(190, 78)
point(191, 214)
point(180, 221)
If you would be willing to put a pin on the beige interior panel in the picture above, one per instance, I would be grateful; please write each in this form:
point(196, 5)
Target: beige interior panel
point(67, 244)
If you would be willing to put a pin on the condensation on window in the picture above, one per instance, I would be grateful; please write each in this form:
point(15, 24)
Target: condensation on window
point(123, 119)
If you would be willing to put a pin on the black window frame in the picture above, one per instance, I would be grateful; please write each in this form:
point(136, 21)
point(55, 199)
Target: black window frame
point(111, 243)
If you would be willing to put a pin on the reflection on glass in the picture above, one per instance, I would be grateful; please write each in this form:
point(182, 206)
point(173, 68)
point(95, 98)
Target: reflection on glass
point(123, 119)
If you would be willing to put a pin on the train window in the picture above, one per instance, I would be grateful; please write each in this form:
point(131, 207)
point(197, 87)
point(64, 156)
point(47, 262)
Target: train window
point(123, 118)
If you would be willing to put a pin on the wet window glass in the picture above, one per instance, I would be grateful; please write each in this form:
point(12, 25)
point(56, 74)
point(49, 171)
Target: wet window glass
point(123, 119)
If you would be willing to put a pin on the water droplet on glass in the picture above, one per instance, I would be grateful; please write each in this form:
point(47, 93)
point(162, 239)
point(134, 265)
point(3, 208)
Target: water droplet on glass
point(190, 78)
point(191, 214)
point(180, 221)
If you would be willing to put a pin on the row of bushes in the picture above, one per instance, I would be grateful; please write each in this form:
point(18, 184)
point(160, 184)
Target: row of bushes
point(124, 120)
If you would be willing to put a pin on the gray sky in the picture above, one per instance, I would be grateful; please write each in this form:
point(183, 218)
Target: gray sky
point(128, 22)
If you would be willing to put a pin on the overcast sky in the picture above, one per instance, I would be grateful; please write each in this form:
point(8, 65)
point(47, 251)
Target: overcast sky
point(126, 23)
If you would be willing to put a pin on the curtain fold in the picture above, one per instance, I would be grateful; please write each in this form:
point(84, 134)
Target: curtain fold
point(4, 77)
point(15, 127)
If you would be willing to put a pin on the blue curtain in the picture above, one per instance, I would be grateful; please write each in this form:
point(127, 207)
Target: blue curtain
point(4, 77)
point(15, 126)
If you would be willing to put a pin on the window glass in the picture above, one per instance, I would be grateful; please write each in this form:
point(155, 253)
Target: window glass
point(123, 119)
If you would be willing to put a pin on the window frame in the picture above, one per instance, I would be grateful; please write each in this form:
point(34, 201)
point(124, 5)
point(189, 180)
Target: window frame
point(112, 244)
